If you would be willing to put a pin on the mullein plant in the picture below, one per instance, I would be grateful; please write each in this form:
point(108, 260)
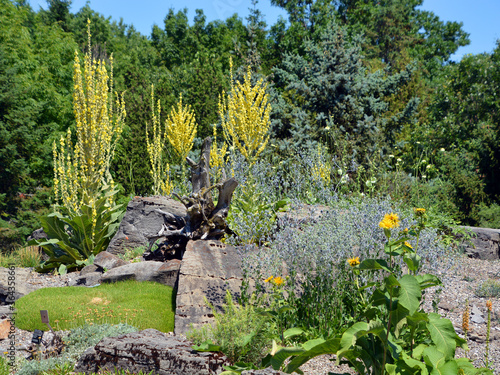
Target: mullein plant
point(160, 171)
point(245, 116)
point(82, 170)
point(86, 215)
point(180, 129)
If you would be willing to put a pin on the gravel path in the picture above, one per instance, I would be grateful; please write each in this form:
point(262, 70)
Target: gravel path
point(460, 283)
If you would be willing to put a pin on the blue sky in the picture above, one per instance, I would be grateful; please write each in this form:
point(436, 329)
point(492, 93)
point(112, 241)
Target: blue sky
point(480, 18)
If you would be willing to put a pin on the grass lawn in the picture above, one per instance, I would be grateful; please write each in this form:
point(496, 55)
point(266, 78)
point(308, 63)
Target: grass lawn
point(141, 304)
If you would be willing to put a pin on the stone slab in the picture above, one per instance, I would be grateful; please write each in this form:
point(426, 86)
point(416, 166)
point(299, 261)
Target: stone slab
point(149, 351)
point(208, 269)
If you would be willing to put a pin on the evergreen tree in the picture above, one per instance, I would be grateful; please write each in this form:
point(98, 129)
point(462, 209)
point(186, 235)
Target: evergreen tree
point(327, 93)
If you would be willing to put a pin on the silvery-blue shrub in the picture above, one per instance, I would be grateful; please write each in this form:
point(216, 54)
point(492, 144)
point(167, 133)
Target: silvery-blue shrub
point(314, 256)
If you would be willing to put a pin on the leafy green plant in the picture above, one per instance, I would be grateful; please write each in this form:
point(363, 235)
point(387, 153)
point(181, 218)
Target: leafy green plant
point(395, 335)
point(75, 238)
point(489, 216)
point(251, 216)
point(241, 333)
point(488, 289)
point(133, 253)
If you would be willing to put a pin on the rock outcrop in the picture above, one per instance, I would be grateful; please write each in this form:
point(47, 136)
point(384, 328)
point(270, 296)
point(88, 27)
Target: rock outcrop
point(485, 243)
point(163, 273)
point(208, 269)
point(149, 351)
point(141, 220)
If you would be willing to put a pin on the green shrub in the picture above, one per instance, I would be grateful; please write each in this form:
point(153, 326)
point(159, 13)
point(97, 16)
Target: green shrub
point(243, 334)
point(489, 216)
point(488, 289)
point(73, 238)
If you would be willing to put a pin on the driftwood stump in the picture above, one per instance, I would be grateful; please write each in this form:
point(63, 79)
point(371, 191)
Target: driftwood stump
point(204, 220)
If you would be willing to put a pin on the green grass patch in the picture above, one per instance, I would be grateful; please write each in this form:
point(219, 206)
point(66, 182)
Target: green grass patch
point(141, 304)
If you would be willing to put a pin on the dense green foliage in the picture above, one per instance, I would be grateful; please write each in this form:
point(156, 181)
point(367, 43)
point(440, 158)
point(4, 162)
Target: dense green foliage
point(365, 79)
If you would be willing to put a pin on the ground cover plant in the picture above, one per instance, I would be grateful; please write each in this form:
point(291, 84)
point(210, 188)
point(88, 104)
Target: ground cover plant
point(76, 341)
point(128, 302)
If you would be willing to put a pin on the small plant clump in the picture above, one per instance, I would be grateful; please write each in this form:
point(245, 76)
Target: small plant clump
point(241, 332)
point(76, 341)
point(488, 289)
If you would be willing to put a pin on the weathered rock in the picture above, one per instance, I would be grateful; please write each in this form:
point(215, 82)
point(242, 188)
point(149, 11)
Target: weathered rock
point(164, 273)
point(37, 234)
point(87, 279)
point(484, 245)
point(208, 269)
point(149, 351)
point(89, 269)
point(21, 287)
point(168, 273)
point(142, 220)
point(106, 261)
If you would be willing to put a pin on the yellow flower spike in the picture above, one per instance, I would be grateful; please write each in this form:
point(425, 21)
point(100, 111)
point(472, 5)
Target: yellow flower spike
point(245, 116)
point(78, 167)
point(181, 129)
point(353, 262)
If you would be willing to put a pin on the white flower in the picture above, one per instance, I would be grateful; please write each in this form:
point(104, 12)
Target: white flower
point(391, 156)
point(424, 161)
point(399, 160)
point(344, 179)
point(424, 176)
point(429, 166)
point(339, 171)
point(441, 149)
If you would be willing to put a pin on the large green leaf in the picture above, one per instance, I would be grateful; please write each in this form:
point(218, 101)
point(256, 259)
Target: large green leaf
point(374, 264)
point(327, 347)
point(279, 358)
point(409, 293)
point(442, 334)
point(427, 281)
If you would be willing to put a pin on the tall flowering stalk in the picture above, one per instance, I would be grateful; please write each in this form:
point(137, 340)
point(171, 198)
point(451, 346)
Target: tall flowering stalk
point(82, 170)
point(217, 155)
point(181, 128)
point(465, 322)
point(86, 215)
point(489, 307)
point(245, 116)
point(161, 178)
